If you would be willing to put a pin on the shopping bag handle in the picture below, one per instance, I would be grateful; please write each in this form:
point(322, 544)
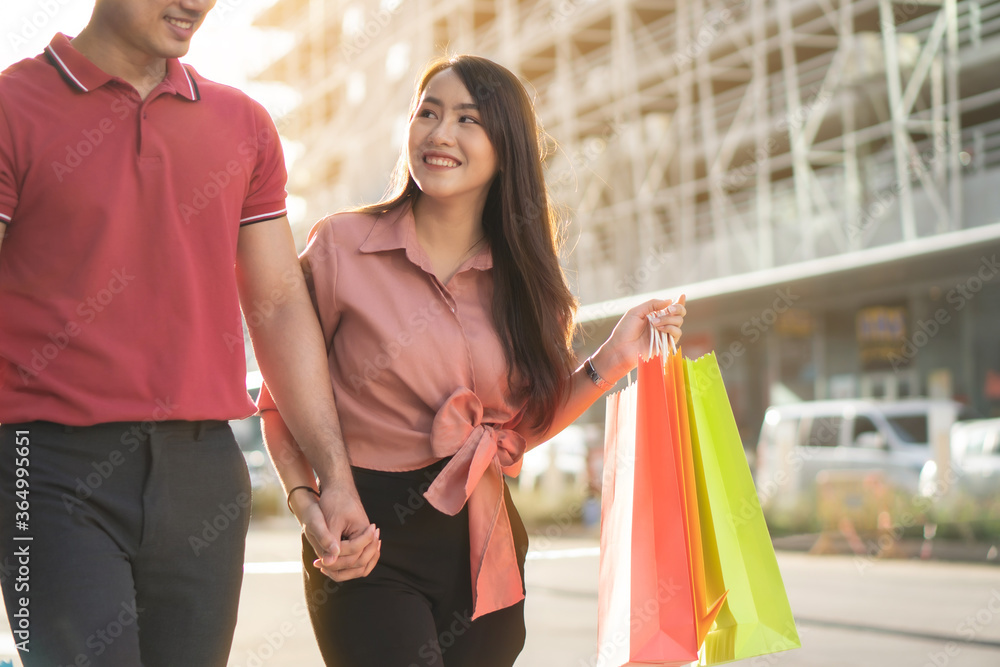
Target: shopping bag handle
point(658, 340)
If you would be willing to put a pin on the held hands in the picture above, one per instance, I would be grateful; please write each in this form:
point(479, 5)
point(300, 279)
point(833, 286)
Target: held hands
point(337, 527)
point(630, 337)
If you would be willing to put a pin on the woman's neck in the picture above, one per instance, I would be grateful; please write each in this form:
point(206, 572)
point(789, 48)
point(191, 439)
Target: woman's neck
point(448, 227)
point(450, 235)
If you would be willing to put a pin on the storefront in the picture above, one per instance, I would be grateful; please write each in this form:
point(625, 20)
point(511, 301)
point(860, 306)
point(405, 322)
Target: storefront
point(920, 319)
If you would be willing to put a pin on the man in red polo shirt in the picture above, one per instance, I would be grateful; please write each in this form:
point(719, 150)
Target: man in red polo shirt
point(130, 188)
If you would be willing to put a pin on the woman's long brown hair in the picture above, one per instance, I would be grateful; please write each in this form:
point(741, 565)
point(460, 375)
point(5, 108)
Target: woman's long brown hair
point(533, 308)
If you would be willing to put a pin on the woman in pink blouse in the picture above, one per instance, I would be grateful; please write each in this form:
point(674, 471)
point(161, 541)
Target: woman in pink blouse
point(448, 323)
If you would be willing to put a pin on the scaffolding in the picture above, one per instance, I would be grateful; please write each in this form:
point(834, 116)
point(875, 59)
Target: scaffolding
point(692, 140)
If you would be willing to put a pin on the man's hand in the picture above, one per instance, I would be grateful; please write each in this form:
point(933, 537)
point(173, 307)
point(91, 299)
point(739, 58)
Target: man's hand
point(337, 527)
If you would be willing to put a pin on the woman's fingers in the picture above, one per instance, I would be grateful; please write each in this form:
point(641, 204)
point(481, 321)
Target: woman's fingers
point(670, 318)
point(357, 558)
point(671, 330)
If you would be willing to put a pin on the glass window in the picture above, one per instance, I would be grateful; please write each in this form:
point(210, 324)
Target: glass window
point(825, 431)
point(911, 429)
point(863, 425)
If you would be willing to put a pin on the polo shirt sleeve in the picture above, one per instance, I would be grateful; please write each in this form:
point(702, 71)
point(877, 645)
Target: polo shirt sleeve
point(266, 195)
point(8, 180)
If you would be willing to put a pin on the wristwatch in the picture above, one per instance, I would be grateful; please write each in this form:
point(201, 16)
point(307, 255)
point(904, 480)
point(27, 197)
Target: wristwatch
point(601, 383)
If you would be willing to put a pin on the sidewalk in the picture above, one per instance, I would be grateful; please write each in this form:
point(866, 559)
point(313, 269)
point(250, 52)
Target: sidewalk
point(561, 578)
point(949, 550)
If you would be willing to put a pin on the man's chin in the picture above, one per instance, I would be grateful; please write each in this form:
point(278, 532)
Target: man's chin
point(174, 50)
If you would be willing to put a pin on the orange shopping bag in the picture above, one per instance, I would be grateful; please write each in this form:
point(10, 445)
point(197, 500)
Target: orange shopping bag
point(653, 608)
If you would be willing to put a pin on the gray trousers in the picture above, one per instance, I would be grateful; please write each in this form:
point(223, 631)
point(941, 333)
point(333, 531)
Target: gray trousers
point(122, 544)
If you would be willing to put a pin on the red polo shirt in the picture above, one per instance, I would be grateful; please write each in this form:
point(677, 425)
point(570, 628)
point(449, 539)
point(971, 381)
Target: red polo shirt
point(118, 297)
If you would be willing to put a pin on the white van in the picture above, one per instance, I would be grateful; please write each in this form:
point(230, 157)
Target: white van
point(799, 440)
point(975, 465)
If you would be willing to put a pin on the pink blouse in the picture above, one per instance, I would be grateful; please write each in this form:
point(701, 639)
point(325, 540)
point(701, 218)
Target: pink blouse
point(419, 374)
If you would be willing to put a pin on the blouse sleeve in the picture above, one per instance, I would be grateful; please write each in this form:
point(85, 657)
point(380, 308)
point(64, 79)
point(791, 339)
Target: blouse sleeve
point(264, 400)
point(319, 266)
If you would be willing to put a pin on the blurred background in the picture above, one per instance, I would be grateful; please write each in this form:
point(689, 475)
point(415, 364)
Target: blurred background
point(820, 177)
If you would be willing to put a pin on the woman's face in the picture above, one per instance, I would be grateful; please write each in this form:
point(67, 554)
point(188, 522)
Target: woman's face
point(450, 156)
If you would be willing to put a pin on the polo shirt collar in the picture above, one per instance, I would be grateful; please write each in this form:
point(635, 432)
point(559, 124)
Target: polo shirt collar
point(397, 230)
point(181, 80)
point(85, 76)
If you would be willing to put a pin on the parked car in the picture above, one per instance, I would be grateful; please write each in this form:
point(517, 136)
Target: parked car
point(975, 464)
point(563, 458)
point(800, 440)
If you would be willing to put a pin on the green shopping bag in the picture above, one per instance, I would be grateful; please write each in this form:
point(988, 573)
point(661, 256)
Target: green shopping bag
point(756, 618)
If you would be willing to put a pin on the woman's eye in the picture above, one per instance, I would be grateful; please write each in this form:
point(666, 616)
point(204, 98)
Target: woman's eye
point(425, 113)
point(468, 119)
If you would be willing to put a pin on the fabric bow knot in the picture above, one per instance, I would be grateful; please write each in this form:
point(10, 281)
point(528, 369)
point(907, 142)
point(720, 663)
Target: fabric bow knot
point(480, 453)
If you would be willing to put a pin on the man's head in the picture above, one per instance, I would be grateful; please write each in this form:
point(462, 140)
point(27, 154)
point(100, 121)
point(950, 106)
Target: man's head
point(156, 28)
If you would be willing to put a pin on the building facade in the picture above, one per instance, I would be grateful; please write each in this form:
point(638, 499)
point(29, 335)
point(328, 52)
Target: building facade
point(821, 178)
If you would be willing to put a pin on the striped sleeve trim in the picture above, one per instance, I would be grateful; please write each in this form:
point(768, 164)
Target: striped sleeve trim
point(263, 216)
point(4, 218)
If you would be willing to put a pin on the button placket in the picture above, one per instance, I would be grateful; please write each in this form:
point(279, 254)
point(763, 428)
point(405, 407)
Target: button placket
point(142, 118)
point(446, 294)
point(457, 289)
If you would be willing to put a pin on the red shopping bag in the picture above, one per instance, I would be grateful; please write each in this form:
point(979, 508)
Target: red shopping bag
point(652, 601)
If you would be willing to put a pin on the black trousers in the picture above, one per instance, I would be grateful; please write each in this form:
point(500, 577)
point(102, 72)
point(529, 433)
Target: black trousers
point(415, 608)
point(122, 544)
